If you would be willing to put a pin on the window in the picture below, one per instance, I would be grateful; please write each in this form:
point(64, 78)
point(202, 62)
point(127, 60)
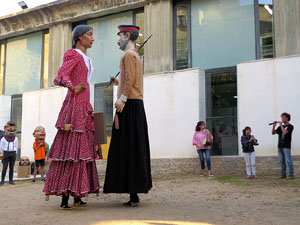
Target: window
point(221, 105)
point(181, 35)
point(45, 60)
point(104, 103)
point(265, 28)
point(16, 115)
point(23, 63)
point(105, 52)
point(223, 32)
point(2, 65)
point(138, 20)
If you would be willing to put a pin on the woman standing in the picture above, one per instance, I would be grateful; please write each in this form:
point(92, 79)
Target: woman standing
point(73, 169)
point(202, 140)
point(248, 141)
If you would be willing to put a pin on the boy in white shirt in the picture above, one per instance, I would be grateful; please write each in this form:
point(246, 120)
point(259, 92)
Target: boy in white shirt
point(9, 148)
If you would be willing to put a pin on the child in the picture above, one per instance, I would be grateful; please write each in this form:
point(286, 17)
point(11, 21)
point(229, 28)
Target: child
point(202, 140)
point(248, 141)
point(39, 147)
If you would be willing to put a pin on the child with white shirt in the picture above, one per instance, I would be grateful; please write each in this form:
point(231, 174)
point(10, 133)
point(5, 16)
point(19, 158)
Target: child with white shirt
point(9, 148)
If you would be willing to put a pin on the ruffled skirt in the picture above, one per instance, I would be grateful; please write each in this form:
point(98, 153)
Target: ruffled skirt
point(73, 167)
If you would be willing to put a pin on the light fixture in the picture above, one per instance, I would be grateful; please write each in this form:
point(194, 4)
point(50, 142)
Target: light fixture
point(23, 5)
point(270, 11)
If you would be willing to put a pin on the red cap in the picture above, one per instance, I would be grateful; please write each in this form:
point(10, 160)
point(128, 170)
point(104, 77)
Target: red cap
point(124, 28)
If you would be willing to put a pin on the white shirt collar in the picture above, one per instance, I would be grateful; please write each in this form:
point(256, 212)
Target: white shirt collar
point(88, 63)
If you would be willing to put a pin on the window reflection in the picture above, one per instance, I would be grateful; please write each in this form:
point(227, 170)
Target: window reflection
point(139, 21)
point(224, 131)
point(266, 28)
point(105, 53)
point(23, 63)
point(220, 94)
point(16, 115)
point(104, 103)
point(181, 36)
point(221, 105)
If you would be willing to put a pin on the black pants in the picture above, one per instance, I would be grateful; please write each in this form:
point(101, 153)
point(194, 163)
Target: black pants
point(8, 158)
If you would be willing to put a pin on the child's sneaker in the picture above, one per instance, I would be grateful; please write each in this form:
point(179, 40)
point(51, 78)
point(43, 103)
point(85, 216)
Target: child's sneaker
point(33, 181)
point(248, 177)
point(202, 175)
point(43, 180)
point(254, 177)
point(210, 175)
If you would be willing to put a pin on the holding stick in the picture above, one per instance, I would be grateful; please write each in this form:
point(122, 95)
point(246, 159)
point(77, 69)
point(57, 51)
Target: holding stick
point(138, 51)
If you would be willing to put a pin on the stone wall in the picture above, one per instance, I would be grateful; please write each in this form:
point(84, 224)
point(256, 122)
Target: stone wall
point(229, 165)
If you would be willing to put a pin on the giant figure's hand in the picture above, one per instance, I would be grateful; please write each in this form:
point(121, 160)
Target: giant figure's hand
point(119, 105)
point(114, 80)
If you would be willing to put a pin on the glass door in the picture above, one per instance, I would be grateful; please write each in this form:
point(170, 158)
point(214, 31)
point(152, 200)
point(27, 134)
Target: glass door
point(16, 115)
point(221, 105)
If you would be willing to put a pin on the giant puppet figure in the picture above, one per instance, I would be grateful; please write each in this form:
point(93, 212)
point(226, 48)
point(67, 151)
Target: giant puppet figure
point(9, 149)
point(73, 171)
point(128, 166)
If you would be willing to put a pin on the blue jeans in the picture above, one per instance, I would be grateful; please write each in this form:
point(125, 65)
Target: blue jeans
point(284, 154)
point(201, 153)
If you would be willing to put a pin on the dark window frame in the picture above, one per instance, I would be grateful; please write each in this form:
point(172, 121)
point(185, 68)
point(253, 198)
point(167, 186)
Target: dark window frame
point(136, 11)
point(19, 129)
point(83, 22)
point(257, 31)
point(175, 4)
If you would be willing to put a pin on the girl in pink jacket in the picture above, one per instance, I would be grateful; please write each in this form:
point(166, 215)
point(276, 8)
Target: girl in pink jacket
point(202, 140)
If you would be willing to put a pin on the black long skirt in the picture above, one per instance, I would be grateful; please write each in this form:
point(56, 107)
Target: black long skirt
point(128, 165)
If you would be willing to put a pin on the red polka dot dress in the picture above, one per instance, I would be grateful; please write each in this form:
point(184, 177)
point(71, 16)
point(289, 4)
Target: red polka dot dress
point(73, 153)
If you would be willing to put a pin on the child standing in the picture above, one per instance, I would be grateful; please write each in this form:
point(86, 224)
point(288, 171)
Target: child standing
point(248, 141)
point(202, 140)
point(39, 147)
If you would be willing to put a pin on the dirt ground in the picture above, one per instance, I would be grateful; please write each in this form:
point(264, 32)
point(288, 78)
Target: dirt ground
point(174, 200)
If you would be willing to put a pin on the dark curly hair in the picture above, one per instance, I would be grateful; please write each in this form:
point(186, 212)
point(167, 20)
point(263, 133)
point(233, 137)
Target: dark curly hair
point(288, 116)
point(244, 131)
point(198, 125)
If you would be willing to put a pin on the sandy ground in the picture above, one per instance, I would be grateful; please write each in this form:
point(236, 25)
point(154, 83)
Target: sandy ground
point(179, 200)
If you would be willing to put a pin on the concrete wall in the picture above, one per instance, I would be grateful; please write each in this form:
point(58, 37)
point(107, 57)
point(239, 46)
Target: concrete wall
point(60, 40)
point(172, 102)
point(40, 108)
point(286, 27)
point(159, 23)
point(5, 107)
point(266, 88)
